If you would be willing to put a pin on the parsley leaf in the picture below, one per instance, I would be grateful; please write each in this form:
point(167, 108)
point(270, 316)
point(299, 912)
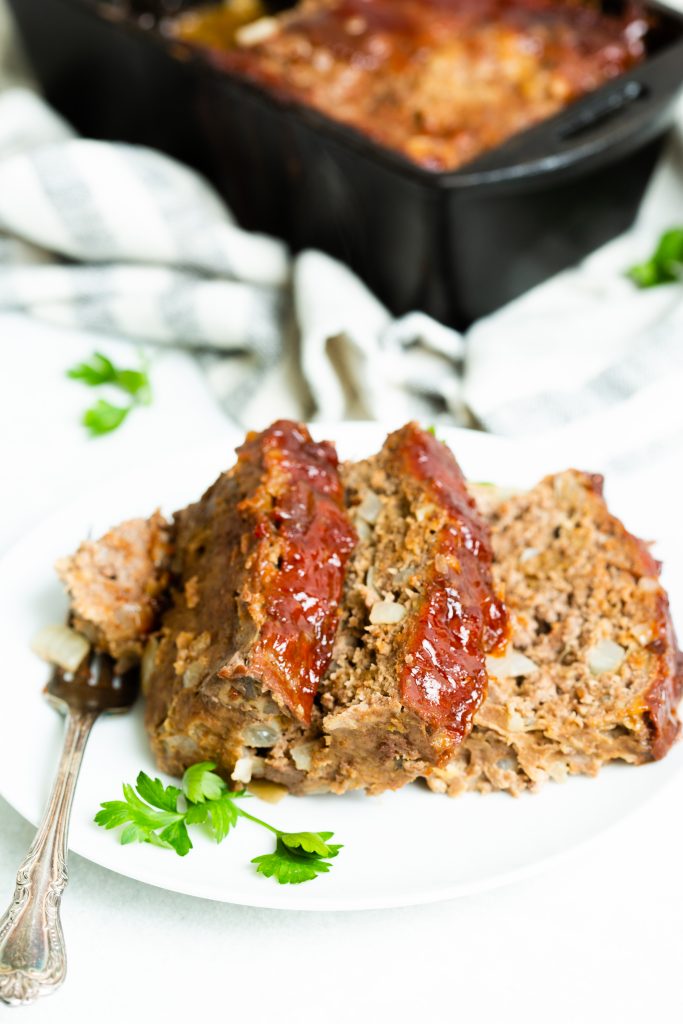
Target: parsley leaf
point(665, 266)
point(200, 783)
point(99, 370)
point(176, 835)
point(310, 842)
point(291, 866)
point(155, 793)
point(143, 820)
point(103, 417)
point(223, 814)
point(152, 813)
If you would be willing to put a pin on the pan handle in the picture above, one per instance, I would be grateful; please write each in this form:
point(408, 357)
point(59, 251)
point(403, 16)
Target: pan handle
point(607, 122)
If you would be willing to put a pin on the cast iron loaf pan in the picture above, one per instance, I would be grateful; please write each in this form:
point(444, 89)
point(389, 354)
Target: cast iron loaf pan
point(456, 244)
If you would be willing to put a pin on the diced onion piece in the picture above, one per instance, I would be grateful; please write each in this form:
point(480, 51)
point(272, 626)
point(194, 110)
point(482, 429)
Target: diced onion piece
point(147, 663)
point(528, 553)
point(558, 771)
point(512, 663)
point(605, 656)
point(649, 584)
point(60, 645)
point(643, 632)
point(401, 576)
point(424, 511)
point(301, 756)
point(256, 32)
point(386, 613)
point(262, 735)
point(370, 507)
point(363, 530)
point(246, 767)
point(193, 674)
point(489, 492)
point(515, 722)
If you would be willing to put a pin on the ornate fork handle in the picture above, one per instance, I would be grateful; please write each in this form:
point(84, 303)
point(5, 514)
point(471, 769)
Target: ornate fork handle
point(32, 954)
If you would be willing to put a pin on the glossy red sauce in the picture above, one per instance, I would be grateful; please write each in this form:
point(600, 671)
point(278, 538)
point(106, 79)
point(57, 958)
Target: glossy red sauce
point(461, 619)
point(299, 512)
point(371, 30)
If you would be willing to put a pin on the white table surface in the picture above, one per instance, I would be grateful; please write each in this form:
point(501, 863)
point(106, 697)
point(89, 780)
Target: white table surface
point(596, 939)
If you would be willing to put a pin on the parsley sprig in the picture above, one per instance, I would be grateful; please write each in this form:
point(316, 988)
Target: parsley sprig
point(153, 813)
point(103, 417)
point(665, 266)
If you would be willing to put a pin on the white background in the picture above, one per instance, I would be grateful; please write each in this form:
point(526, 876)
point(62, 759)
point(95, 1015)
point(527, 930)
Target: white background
point(596, 939)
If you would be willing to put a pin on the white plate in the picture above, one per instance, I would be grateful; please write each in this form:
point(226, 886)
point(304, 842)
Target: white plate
point(400, 848)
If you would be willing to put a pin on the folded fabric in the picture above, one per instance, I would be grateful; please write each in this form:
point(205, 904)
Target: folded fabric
point(588, 339)
point(122, 240)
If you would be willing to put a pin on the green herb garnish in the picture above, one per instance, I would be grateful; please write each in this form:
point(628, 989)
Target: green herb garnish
point(665, 266)
point(158, 814)
point(103, 417)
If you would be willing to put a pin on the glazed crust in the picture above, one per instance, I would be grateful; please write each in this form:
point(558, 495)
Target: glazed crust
point(258, 577)
point(420, 612)
point(441, 81)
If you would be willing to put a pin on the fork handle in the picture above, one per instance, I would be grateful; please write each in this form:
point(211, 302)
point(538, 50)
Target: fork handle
point(32, 954)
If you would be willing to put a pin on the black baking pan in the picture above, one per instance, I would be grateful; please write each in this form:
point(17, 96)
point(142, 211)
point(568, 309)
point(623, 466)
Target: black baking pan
point(456, 244)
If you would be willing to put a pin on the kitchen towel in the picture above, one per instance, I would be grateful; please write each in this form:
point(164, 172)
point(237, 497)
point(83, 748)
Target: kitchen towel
point(123, 240)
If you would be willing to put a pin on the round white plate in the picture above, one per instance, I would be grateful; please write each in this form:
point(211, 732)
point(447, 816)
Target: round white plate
point(401, 848)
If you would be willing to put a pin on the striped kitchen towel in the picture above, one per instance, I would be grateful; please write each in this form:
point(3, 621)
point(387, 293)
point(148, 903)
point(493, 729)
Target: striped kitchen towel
point(124, 241)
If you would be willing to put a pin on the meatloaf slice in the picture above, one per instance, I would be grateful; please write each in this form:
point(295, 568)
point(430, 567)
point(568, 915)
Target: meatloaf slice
point(254, 609)
point(593, 672)
point(116, 585)
point(419, 615)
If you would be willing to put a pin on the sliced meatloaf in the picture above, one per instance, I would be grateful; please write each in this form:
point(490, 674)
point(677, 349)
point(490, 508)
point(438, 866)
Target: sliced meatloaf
point(419, 614)
point(592, 673)
point(249, 637)
point(254, 609)
point(333, 628)
point(116, 585)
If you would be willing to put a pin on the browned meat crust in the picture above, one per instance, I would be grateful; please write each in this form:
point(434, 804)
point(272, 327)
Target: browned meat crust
point(439, 80)
point(259, 573)
point(603, 676)
point(116, 585)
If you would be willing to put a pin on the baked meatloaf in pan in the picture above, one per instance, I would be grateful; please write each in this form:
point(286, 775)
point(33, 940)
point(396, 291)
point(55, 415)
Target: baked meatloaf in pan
point(453, 204)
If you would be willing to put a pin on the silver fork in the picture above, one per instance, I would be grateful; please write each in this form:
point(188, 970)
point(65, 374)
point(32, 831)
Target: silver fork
point(32, 953)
